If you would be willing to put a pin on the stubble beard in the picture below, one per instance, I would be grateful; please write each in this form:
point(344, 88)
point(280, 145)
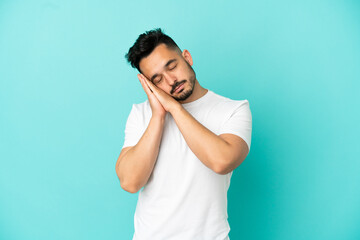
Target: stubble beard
point(185, 94)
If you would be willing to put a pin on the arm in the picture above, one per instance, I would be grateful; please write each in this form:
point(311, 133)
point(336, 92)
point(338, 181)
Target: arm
point(135, 164)
point(221, 153)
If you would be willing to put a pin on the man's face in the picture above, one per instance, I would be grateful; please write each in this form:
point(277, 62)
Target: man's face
point(170, 71)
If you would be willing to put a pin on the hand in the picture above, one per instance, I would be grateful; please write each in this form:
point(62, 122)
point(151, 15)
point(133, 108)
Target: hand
point(167, 101)
point(156, 107)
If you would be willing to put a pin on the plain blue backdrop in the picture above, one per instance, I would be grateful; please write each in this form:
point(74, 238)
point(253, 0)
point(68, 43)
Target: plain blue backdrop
point(66, 91)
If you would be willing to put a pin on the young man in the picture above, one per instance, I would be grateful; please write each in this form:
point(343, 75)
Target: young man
point(181, 145)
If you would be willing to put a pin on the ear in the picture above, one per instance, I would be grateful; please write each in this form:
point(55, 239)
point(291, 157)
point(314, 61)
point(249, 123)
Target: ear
point(186, 54)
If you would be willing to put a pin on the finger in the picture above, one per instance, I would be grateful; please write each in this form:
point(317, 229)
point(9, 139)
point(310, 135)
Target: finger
point(151, 85)
point(156, 90)
point(145, 82)
point(144, 85)
point(141, 82)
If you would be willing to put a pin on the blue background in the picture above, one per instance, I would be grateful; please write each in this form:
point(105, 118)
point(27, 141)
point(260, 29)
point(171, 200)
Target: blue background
point(66, 91)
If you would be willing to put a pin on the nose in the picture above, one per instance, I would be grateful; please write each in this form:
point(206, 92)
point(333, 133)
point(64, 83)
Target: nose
point(170, 78)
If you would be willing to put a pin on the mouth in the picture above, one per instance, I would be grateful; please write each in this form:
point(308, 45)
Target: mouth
point(179, 88)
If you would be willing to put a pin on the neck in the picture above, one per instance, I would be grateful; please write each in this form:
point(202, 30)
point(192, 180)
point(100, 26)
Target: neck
point(197, 93)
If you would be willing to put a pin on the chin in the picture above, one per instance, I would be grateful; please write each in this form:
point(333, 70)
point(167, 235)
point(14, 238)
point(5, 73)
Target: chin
point(185, 94)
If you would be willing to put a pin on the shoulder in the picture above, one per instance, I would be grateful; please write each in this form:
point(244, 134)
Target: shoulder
point(140, 112)
point(227, 103)
point(141, 108)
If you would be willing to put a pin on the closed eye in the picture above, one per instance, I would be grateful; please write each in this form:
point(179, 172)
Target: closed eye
point(173, 67)
point(157, 81)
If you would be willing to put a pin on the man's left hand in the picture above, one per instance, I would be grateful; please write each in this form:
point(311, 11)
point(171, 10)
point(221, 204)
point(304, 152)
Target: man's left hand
point(167, 101)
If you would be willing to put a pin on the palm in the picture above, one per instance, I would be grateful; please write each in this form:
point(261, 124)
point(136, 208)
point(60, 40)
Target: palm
point(156, 107)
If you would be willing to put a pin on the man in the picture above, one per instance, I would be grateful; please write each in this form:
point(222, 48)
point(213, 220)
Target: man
point(181, 145)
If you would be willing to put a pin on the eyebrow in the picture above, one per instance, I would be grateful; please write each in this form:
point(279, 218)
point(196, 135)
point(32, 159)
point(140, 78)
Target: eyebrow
point(167, 64)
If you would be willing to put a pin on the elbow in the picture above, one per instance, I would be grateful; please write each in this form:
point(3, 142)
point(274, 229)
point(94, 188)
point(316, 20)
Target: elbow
point(225, 166)
point(129, 188)
point(222, 168)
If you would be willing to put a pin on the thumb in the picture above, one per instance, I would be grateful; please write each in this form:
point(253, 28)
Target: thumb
point(144, 85)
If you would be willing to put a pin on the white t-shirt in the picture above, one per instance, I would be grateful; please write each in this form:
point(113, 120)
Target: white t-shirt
point(183, 198)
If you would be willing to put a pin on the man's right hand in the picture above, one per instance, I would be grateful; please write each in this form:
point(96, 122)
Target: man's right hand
point(136, 163)
point(156, 107)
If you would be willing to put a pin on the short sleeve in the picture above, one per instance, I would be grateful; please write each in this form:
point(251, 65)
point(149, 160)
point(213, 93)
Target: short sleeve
point(239, 122)
point(133, 130)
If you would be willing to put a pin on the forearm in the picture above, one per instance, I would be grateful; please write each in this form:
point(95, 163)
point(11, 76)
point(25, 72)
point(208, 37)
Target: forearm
point(211, 149)
point(135, 167)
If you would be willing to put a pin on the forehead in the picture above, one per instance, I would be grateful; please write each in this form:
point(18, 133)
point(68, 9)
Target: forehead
point(157, 59)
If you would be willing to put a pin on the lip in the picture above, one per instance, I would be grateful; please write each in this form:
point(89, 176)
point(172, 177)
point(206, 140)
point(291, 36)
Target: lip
point(178, 88)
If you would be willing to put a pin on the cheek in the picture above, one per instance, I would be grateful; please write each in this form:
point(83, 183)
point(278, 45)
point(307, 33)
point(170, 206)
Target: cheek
point(186, 72)
point(166, 89)
point(181, 73)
